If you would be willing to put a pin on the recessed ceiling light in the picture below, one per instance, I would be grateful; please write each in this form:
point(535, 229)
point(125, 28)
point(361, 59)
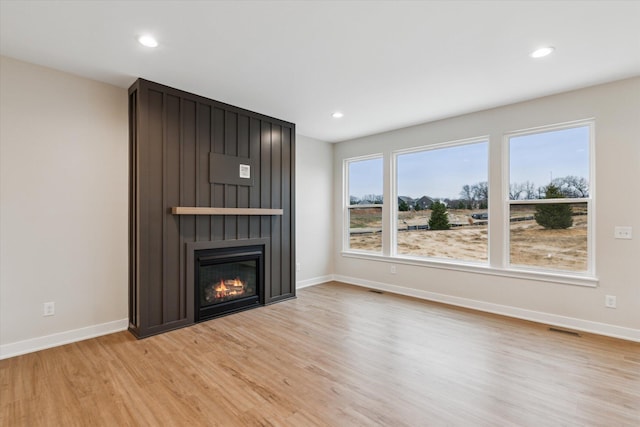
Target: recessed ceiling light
point(148, 41)
point(543, 51)
point(337, 115)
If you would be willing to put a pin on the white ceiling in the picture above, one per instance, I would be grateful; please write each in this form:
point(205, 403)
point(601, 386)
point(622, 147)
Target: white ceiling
point(385, 64)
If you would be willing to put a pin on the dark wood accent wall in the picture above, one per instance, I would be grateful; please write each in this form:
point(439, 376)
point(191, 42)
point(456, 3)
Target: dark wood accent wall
point(171, 135)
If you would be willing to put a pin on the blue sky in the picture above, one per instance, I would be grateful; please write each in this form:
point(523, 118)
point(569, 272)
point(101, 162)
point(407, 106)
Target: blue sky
point(365, 177)
point(541, 157)
point(442, 172)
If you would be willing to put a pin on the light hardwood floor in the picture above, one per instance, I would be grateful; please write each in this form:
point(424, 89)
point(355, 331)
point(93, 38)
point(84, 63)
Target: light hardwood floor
point(336, 356)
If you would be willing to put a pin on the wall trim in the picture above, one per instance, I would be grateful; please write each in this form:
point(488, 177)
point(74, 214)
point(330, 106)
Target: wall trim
point(61, 338)
point(301, 284)
point(67, 337)
point(605, 329)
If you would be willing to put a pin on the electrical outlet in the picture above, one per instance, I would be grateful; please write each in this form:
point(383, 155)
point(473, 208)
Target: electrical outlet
point(610, 301)
point(298, 266)
point(622, 233)
point(48, 308)
point(393, 269)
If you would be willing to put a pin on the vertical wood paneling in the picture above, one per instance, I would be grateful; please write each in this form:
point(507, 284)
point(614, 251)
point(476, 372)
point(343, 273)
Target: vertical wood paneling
point(172, 134)
point(187, 191)
point(134, 209)
point(285, 232)
point(265, 189)
point(243, 190)
point(276, 202)
point(254, 192)
point(217, 190)
point(243, 136)
point(231, 191)
point(230, 223)
point(230, 133)
point(218, 141)
point(218, 222)
point(171, 236)
point(154, 214)
point(203, 224)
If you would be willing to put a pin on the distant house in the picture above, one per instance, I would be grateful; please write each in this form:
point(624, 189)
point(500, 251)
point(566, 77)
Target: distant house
point(408, 200)
point(424, 202)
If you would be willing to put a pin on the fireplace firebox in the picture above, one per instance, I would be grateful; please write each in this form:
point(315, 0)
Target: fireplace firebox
point(228, 280)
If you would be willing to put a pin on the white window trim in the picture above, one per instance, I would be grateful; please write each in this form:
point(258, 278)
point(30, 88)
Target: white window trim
point(590, 274)
point(347, 206)
point(494, 267)
point(547, 276)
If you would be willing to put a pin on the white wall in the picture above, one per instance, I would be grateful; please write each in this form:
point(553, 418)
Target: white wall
point(63, 207)
point(616, 109)
point(314, 223)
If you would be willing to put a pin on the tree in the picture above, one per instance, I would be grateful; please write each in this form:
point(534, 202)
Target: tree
point(371, 199)
point(514, 191)
point(528, 191)
point(554, 216)
point(403, 206)
point(572, 186)
point(467, 195)
point(522, 191)
point(439, 217)
point(481, 194)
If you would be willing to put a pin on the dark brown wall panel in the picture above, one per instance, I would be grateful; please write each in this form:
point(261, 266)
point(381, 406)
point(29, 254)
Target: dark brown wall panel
point(254, 192)
point(205, 132)
point(242, 193)
point(134, 210)
point(172, 135)
point(276, 202)
point(187, 179)
point(153, 211)
point(286, 233)
point(171, 226)
point(265, 186)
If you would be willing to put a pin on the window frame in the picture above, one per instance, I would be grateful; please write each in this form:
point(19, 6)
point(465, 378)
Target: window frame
point(499, 203)
point(394, 196)
point(590, 272)
point(347, 206)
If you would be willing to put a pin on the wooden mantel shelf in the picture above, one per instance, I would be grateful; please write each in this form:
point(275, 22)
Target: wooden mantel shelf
point(184, 210)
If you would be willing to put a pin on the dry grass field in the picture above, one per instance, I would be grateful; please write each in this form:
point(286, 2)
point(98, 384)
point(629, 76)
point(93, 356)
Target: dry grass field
point(531, 244)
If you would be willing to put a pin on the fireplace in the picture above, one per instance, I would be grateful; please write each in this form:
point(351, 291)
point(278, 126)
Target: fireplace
point(205, 175)
point(228, 280)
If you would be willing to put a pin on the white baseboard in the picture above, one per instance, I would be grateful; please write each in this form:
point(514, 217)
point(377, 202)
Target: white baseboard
point(505, 310)
point(61, 338)
point(314, 281)
point(54, 340)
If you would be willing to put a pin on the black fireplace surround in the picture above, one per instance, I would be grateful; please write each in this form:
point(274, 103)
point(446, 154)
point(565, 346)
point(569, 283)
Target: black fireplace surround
point(228, 280)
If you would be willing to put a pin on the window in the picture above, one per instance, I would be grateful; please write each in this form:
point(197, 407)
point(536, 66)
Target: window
point(442, 205)
point(437, 211)
point(364, 204)
point(550, 199)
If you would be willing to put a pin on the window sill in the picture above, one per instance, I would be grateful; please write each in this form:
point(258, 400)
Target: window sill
point(549, 277)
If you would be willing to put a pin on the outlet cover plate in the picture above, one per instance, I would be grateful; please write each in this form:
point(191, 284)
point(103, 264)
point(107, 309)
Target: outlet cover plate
point(610, 301)
point(623, 233)
point(48, 308)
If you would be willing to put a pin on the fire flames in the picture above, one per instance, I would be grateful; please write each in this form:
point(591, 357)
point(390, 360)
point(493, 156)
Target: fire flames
point(229, 288)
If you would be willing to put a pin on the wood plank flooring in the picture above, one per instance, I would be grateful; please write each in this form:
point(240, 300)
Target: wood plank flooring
point(337, 355)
